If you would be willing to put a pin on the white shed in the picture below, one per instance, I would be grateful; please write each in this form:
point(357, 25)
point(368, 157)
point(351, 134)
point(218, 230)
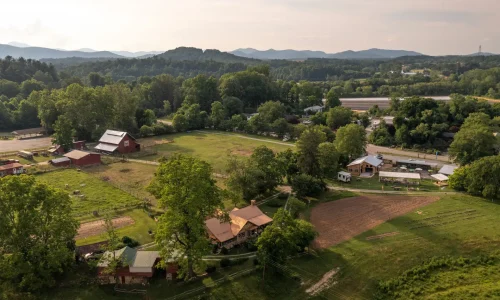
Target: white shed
point(344, 176)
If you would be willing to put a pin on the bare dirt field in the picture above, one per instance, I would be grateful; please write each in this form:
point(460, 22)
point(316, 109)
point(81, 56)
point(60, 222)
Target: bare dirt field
point(343, 219)
point(16, 145)
point(97, 227)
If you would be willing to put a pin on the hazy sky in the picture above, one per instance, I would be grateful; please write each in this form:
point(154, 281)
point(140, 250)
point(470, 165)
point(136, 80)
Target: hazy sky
point(430, 26)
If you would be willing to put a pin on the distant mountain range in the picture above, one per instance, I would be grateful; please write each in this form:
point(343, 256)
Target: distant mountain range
point(189, 53)
point(118, 54)
point(373, 53)
point(39, 53)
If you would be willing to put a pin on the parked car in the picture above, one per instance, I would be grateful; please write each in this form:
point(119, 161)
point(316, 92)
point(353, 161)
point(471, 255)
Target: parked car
point(380, 156)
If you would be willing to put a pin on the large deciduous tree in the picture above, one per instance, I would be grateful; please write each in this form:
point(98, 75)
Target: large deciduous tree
point(338, 116)
point(351, 140)
point(63, 133)
point(186, 190)
point(36, 233)
point(308, 153)
point(332, 99)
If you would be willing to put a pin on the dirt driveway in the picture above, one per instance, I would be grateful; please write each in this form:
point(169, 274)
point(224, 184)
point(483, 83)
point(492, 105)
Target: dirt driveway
point(97, 227)
point(343, 219)
point(16, 145)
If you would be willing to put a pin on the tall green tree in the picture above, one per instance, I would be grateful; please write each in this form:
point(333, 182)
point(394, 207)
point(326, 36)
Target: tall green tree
point(37, 233)
point(185, 188)
point(338, 116)
point(308, 153)
point(351, 140)
point(217, 114)
point(332, 99)
point(63, 133)
point(201, 90)
point(328, 159)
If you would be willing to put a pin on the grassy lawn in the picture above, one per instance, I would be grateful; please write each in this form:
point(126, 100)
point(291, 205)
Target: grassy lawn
point(99, 195)
point(24, 161)
point(138, 231)
point(213, 147)
point(373, 184)
point(128, 176)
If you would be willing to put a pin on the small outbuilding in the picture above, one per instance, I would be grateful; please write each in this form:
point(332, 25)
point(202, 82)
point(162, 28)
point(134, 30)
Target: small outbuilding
point(413, 164)
point(447, 170)
point(60, 162)
point(440, 179)
point(399, 176)
point(365, 165)
point(83, 158)
point(28, 133)
point(344, 176)
point(11, 169)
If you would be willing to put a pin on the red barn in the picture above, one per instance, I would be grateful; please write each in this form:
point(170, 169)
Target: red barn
point(79, 145)
point(60, 162)
point(117, 142)
point(82, 158)
point(11, 169)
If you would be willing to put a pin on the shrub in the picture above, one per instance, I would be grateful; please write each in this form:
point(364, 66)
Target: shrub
point(250, 245)
point(225, 262)
point(224, 251)
point(238, 261)
point(276, 202)
point(256, 261)
point(129, 242)
point(211, 268)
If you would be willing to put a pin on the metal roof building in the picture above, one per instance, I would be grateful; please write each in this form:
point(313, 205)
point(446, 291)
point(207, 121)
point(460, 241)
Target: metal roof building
point(447, 170)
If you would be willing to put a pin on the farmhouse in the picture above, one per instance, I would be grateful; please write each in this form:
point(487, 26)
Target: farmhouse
point(83, 158)
point(138, 266)
point(366, 165)
point(117, 142)
point(244, 223)
point(11, 169)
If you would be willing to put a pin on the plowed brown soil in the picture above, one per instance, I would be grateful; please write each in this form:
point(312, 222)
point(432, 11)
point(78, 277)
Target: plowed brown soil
point(97, 227)
point(343, 219)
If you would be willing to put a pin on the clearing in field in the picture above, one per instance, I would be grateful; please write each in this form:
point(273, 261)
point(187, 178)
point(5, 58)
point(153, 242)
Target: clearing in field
point(343, 219)
point(94, 194)
point(92, 228)
point(212, 147)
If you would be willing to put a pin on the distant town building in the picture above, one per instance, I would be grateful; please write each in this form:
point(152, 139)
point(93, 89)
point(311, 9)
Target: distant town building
point(11, 169)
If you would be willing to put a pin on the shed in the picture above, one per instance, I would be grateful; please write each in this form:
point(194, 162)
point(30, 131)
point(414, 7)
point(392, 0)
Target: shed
point(11, 169)
point(25, 133)
point(60, 162)
point(365, 164)
point(447, 170)
point(413, 164)
point(83, 158)
point(313, 109)
point(399, 176)
point(440, 178)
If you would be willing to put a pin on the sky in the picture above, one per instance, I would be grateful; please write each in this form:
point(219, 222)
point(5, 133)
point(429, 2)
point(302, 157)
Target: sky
point(433, 27)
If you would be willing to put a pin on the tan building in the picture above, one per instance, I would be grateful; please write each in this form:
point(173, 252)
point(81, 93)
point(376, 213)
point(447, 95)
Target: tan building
point(244, 224)
point(366, 165)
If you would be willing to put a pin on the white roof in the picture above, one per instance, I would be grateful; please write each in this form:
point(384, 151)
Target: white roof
point(344, 173)
point(313, 108)
point(447, 169)
point(372, 160)
point(439, 177)
point(399, 175)
point(106, 147)
point(112, 137)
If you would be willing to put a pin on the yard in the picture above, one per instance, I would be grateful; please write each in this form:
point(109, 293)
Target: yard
point(374, 184)
point(213, 147)
point(94, 193)
point(24, 161)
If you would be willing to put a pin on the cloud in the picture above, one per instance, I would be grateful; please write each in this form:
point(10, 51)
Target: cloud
point(439, 17)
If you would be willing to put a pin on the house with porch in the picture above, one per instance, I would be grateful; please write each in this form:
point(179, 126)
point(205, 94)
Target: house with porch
point(243, 224)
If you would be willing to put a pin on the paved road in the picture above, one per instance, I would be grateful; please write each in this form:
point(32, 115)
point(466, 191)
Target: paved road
point(16, 145)
point(403, 154)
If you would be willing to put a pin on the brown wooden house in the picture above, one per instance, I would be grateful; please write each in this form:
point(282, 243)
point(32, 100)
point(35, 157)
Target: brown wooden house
point(365, 165)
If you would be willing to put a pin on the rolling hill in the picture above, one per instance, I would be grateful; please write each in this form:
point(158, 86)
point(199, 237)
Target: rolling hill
point(289, 54)
point(39, 53)
point(195, 54)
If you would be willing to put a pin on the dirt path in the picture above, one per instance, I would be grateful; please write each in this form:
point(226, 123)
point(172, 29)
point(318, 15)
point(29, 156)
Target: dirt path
point(372, 149)
point(248, 138)
point(16, 145)
point(97, 227)
point(343, 219)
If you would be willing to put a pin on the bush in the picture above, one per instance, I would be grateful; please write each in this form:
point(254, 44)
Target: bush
point(306, 185)
point(225, 262)
point(250, 245)
point(239, 261)
point(276, 202)
point(211, 268)
point(224, 251)
point(129, 242)
point(256, 261)
point(146, 131)
point(162, 128)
